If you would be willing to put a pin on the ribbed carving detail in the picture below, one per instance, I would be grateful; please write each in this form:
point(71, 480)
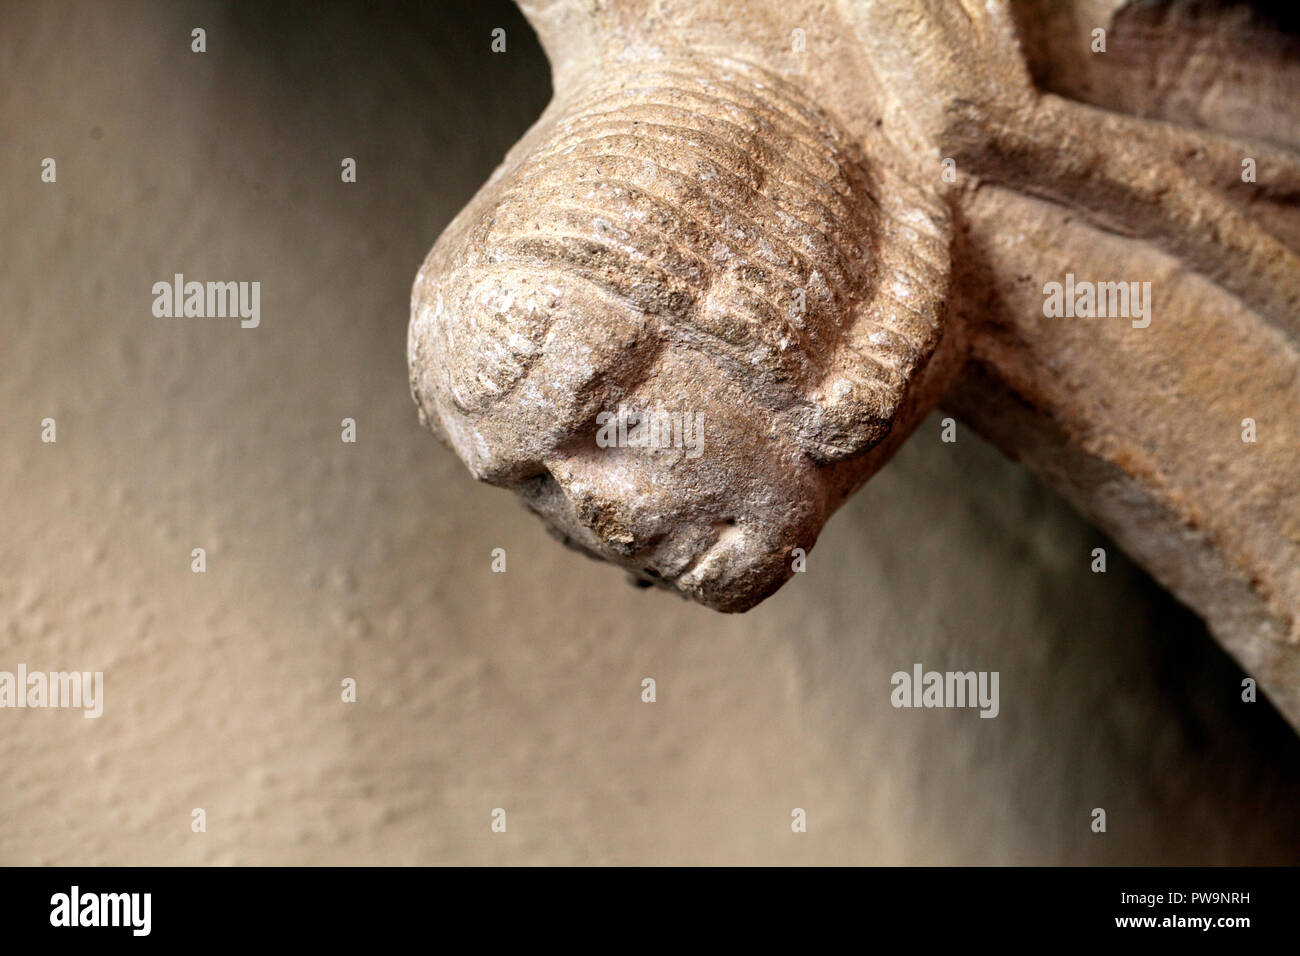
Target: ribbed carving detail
point(713, 198)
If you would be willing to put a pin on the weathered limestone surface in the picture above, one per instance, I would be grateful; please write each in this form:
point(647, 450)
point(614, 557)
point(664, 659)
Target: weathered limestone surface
point(738, 211)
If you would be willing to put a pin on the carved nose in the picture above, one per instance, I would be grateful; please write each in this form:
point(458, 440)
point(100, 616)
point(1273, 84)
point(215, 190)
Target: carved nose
point(602, 498)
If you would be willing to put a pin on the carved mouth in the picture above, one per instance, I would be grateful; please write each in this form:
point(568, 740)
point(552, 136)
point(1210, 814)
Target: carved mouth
point(691, 561)
point(704, 566)
point(709, 550)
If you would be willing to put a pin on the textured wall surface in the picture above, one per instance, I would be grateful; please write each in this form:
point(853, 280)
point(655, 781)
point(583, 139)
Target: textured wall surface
point(478, 690)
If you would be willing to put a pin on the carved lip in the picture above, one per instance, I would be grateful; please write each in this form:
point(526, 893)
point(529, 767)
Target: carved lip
point(691, 560)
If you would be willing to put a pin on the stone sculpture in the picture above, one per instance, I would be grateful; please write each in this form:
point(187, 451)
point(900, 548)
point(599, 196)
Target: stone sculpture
point(805, 225)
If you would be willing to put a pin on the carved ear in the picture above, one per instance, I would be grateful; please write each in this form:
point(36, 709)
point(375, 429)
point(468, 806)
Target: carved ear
point(888, 336)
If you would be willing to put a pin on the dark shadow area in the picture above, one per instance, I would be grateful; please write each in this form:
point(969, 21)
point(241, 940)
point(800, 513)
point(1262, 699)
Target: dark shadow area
point(1226, 65)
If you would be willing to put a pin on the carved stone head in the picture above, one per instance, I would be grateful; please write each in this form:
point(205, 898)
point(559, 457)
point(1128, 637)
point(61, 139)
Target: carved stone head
point(693, 240)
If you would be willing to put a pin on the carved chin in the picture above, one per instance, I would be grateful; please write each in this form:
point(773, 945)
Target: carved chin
point(733, 574)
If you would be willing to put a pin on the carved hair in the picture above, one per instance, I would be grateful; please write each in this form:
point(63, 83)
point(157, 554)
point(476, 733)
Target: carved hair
point(713, 198)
